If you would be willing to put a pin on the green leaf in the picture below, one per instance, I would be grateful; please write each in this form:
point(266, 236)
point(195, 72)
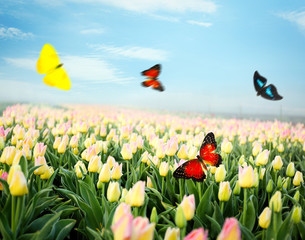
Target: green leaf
point(246, 233)
point(62, 228)
point(5, 228)
point(192, 189)
point(301, 228)
point(94, 233)
point(214, 223)
point(250, 215)
point(285, 228)
point(45, 230)
point(205, 205)
point(5, 186)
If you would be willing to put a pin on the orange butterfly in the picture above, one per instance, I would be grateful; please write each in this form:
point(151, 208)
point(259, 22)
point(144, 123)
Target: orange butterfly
point(152, 75)
point(195, 168)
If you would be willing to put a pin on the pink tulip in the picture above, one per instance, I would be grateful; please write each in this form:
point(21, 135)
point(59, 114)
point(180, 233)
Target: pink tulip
point(39, 149)
point(122, 229)
point(197, 234)
point(230, 230)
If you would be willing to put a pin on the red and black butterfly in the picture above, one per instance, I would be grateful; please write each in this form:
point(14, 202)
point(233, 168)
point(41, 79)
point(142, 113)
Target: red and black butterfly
point(196, 168)
point(152, 75)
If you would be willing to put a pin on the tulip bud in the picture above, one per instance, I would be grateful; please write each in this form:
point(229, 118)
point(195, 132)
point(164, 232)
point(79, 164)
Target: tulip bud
point(160, 153)
point(172, 234)
point(269, 187)
point(246, 177)
point(279, 182)
point(39, 149)
point(111, 161)
point(95, 164)
point(226, 147)
point(126, 152)
point(105, 174)
point(113, 192)
point(13, 168)
point(213, 169)
point(236, 190)
point(188, 206)
point(241, 160)
point(180, 218)
point(80, 168)
point(40, 161)
point(182, 153)
point(137, 194)
point(149, 183)
point(297, 196)
point(56, 143)
point(8, 155)
point(154, 216)
point(262, 173)
point(262, 158)
point(298, 178)
point(290, 170)
point(220, 173)
point(256, 149)
point(276, 202)
point(296, 214)
point(62, 147)
point(163, 169)
point(171, 146)
point(230, 230)
point(18, 185)
point(116, 172)
point(47, 174)
point(265, 218)
point(224, 192)
point(277, 163)
point(280, 148)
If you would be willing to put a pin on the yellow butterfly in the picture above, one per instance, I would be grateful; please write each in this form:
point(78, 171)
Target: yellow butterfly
point(49, 64)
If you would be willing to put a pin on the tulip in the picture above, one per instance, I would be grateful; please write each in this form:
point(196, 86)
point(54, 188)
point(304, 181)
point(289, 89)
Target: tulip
point(1, 143)
point(212, 169)
point(172, 234)
point(4, 176)
point(74, 141)
point(122, 229)
point(290, 170)
point(39, 149)
point(8, 155)
point(265, 218)
point(296, 214)
point(80, 168)
point(180, 217)
point(163, 169)
point(47, 174)
point(27, 151)
point(262, 173)
point(297, 196)
point(126, 152)
point(160, 153)
point(111, 161)
point(91, 152)
point(137, 194)
point(197, 234)
point(236, 190)
point(276, 202)
point(188, 206)
point(121, 210)
point(280, 148)
point(113, 192)
point(182, 153)
point(95, 164)
point(277, 163)
point(220, 173)
point(13, 168)
point(262, 158)
point(241, 159)
point(62, 147)
point(17, 157)
point(230, 230)
point(149, 183)
point(224, 192)
point(246, 177)
point(144, 157)
point(298, 178)
point(171, 146)
point(142, 229)
point(116, 172)
point(18, 185)
point(105, 174)
point(40, 161)
point(269, 187)
point(192, 153)
point(226, 147)
point(256, 149)
point(56, 143)
point(154, 215)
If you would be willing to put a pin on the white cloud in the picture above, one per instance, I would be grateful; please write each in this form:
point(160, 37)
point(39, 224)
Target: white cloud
point(134, 52)
point(83, 69)
point(296, 17)
point(203, 24)
point(92, 31)
point(12, 32)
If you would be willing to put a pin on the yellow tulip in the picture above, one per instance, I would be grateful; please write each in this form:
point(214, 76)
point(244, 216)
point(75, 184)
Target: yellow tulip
point(18, 185)
point(95, 164)
point(40, 161)
point(188, 206)
point(105, 174)
point(298, 178)
point(47, 174)
point(220, 173)
point(182, 153)
point(137, 194)
point(246, 177)
point(172, 234)
point(126, 152)
point(116, 172)
point(80, 168)
point(113, 192)
point(224, 192)
point(276, 202)
point(290, 170)
point(265, 218)
point(163, 169)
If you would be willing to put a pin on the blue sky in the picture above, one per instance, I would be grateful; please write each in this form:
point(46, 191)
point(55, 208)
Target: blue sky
point(209, 51)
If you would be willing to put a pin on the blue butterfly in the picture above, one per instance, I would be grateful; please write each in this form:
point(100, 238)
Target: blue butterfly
point(268, 92)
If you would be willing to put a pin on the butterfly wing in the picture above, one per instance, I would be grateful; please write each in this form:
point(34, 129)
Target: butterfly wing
point(259, 81)
point(206, 150)
point(148, 83)
point(270, 93)
point(158, 86)
point(191, 169)
point(58, 78)
point(153, 72)
point(48, 59)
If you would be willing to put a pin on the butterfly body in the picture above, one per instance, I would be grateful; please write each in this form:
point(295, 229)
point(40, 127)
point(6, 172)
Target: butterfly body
point(266, 91)
point(49, 64)
point(152, 75)
point(196, 168)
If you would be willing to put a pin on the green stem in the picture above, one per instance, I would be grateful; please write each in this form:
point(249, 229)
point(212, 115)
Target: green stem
point(162, 189)
point(221, 207)
point(199, 189)
point(13, 217)
point(182, 230)
point(180, 189)
point(136, 212)
point(60, 159)
point(245, 206)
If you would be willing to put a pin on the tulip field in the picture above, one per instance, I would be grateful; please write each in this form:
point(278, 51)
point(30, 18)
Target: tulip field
point(101, 172)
